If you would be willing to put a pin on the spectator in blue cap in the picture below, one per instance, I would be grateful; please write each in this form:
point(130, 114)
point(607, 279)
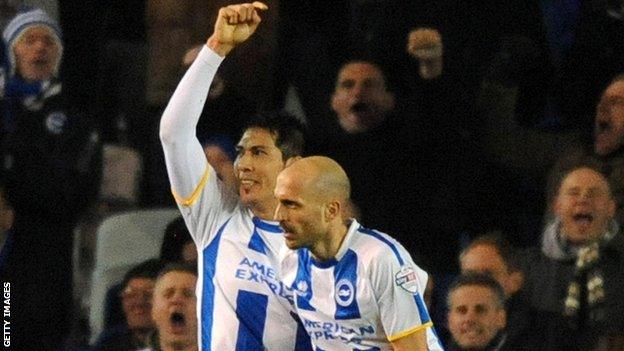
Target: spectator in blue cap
point(49, 158)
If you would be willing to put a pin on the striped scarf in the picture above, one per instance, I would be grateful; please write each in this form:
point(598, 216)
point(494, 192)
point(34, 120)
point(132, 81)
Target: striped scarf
point(585, 300)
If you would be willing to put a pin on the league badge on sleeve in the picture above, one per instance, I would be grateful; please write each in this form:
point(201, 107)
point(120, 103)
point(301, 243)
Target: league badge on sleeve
point(407, 278)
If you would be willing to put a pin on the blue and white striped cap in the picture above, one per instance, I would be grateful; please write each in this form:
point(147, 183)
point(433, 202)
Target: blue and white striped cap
point(28, 18)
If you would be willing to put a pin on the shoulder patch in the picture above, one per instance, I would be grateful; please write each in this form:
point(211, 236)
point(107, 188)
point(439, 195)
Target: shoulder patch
point(55, 122)
point(407, 278)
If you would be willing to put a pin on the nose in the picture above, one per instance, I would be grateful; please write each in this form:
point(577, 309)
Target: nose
point(243, 163)
point(358, 90)
point(41, 45)
point(177, 298)
point(279, 215)
point(585, 196)
point(469, 318)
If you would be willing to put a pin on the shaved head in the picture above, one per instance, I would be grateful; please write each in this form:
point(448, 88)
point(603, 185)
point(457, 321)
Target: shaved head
point(312, 193)
point(322, 176)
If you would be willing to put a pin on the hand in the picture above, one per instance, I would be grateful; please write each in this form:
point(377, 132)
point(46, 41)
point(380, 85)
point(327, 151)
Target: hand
point(425, 44)
point(234, 25)
point(424, 39)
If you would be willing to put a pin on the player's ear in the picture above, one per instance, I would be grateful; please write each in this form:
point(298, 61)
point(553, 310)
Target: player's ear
point(332, 210)
point(291, 160)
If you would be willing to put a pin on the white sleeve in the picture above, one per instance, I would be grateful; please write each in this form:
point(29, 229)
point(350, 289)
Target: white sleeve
point(288, 265)
point(200, 195)
point(399, 289)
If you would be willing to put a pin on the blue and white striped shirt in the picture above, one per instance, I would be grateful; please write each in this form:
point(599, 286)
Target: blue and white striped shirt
point(365, 298)
point(242, 305)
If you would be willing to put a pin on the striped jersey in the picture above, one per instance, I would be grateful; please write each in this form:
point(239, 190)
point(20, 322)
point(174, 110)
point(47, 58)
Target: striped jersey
point(242, 305)
point(365, 298)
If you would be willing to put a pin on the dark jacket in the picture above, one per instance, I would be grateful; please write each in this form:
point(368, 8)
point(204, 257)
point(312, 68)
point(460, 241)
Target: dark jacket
point(49, 161)
point(549, 271)
point(50, 154)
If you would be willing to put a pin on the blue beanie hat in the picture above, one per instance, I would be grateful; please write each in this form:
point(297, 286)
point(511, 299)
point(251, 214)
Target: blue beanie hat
point(28, 18)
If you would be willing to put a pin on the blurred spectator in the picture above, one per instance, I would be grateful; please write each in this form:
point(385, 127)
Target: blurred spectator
point(136, 300)
point(400, 181)
point(362, 100)
point(177, 247)
point(533, 153)
point(50, 159)
point(575, 280)
point(552, 58)
point(477, 316)
point(174, 309)
point(365, 138)
point(493, 255)
point(317, 34)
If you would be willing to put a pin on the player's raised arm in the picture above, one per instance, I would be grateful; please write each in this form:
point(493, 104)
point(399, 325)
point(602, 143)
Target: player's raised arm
point(186, 162)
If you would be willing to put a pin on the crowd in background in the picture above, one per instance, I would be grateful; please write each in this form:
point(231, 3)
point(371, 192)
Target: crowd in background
point(451, 118)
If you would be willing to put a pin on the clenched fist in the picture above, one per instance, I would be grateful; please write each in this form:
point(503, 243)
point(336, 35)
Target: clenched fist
point(234, 25)
point(425, 44)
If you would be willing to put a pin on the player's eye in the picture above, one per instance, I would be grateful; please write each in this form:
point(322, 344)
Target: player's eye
point(169, 293)
point(480, 309)
point(289, 204)
point(347, 84)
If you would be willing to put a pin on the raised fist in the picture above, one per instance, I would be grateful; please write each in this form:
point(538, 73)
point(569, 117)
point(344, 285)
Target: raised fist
point(425, 44)
point(234, 25)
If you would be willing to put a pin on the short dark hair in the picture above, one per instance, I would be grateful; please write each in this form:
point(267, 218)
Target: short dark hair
point(388, 84)
point(178, 267)
point(176, 236)
point(147, 269)
point(288, 131)
point(477, 279)
point(503, 247)
point(571, 164)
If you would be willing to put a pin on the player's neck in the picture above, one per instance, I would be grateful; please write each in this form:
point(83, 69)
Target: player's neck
point(327, 249)
point(265, 210)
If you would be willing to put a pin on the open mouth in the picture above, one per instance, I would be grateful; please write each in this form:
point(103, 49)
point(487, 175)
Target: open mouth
point(360, 107)
point(178, 319)
point(603, 127)
point(40, 62)
point(471, 332)
point(583, 218)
